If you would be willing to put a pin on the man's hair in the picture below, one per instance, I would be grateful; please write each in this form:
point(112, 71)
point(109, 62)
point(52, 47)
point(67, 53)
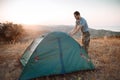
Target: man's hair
point(76, 13)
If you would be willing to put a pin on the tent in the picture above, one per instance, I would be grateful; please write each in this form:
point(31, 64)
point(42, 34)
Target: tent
point(56, 53)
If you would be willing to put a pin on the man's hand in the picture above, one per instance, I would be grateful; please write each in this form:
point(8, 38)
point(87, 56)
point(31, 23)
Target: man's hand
point(70, 33)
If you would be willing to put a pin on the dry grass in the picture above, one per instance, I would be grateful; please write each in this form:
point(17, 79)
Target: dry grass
point(105, 54)
point(10, 67)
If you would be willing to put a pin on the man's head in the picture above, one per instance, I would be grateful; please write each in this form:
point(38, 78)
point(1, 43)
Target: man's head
point(77, 15)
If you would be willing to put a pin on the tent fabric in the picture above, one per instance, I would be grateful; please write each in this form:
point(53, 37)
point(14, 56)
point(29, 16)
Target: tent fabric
point(29, 51)
point(56, 53)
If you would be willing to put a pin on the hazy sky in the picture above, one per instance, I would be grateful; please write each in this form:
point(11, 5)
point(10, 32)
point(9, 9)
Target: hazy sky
point(100, 14)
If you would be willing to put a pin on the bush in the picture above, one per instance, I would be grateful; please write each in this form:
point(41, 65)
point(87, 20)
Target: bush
point(10, 32)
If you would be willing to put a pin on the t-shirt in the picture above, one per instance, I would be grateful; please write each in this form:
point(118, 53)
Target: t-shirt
point(84, 24)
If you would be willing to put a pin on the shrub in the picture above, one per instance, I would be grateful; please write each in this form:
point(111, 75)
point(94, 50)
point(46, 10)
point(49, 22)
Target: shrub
point(10, 32)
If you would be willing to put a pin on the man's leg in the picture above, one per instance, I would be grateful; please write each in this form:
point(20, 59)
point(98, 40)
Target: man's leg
point(86, 41)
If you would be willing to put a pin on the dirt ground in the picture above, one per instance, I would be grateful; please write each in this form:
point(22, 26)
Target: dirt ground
point(105, 54)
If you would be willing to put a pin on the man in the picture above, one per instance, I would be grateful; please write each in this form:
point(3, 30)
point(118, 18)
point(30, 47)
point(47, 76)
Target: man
point(81, 25)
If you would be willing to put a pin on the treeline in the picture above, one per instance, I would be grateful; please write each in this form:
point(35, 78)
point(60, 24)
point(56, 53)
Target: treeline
point(10, 32)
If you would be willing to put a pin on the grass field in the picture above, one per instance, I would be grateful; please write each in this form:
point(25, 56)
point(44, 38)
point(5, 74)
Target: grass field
point(105, 54)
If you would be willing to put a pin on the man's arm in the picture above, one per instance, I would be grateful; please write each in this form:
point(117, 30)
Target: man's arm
point(71, 32)
point(75, 30)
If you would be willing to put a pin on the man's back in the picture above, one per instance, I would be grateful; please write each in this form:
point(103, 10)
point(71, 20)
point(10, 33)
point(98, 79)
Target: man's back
point(84, 24)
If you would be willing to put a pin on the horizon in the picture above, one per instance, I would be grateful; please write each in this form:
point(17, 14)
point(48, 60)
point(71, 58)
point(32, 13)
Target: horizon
point(100, 14)
point(36, 25)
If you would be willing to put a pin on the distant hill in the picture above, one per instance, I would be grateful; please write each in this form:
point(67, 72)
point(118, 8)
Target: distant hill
point(101, 33)
point(67, 28)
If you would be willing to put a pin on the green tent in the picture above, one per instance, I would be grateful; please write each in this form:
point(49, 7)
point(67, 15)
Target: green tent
point(56, 53)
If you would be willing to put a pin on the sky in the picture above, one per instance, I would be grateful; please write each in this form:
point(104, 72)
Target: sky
point(99, 14)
